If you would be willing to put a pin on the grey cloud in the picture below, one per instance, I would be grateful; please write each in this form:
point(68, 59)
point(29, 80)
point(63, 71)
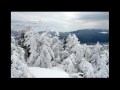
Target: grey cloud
point(94, 16)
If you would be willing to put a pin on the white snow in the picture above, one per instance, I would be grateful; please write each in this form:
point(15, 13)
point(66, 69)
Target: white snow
point(47, 73)
point(104, 32)
point(58, 68)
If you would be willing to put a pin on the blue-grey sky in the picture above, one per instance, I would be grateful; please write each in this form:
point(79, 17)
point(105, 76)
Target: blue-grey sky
point(65, 21)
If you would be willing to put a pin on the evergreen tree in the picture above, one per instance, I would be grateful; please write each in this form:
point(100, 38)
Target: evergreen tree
point(19, 68)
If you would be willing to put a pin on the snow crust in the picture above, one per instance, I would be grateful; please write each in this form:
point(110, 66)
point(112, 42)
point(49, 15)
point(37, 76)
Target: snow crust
point(47, 73)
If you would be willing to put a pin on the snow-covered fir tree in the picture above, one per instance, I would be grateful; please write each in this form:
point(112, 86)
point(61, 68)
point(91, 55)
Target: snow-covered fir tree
point(69, 64)
point(57, 47)
point(19, 68)
point(46, 54)
point(99, 60)
point(73, 46)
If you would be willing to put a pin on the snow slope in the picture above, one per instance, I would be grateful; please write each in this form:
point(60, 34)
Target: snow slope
point(47, 73)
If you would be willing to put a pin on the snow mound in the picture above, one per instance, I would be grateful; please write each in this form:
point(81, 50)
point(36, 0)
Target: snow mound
point(47, 73)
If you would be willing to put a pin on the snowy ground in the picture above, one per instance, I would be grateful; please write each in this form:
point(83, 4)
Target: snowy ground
point(47, 73)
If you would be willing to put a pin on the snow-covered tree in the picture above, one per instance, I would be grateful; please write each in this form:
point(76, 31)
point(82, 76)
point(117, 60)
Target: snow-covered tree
point(27, 40)
point(87, 52)
point(57, 47)
point(69, 64)
point(46, 54)
point(100, 61)
point(86, 68)
point(19, 68)
point(73, 46)
point(71, 43)
point(97, 48)
point(82, 55)
point(44, 58)
point(30, 44)
point(102, 68)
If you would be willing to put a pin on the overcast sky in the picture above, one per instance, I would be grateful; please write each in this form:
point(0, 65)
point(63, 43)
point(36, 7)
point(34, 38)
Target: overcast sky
point(66, 21)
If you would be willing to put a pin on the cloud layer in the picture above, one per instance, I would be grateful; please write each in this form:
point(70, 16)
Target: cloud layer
point(65, 21)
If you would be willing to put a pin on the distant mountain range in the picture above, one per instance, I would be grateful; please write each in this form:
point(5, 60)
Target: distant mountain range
point(89, 36)
point(92, 36)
